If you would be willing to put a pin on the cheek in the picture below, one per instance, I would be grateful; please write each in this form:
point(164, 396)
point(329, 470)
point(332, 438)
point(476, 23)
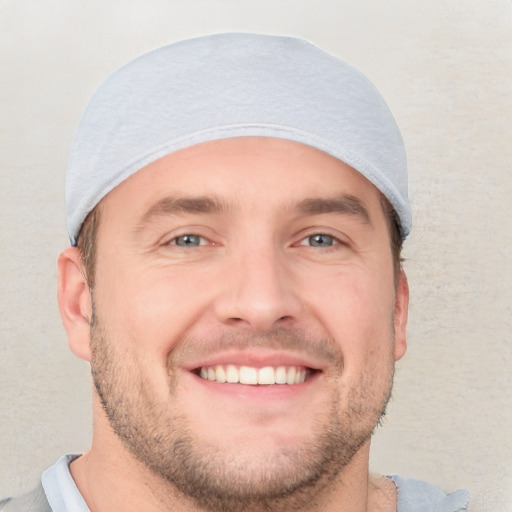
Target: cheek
point(356, 308)
point(151, 306)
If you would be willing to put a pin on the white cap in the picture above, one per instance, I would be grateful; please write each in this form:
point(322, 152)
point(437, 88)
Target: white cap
point(232, 85)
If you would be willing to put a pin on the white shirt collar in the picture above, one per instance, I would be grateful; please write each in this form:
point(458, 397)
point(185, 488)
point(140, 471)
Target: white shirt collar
point(60, 488)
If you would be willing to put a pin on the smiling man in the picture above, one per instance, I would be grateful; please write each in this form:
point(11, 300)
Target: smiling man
point(236, 209)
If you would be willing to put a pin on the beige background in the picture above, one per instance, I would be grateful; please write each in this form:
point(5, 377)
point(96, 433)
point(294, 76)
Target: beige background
point(445, 68)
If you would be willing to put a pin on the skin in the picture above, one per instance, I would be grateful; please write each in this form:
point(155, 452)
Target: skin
point(257, 290)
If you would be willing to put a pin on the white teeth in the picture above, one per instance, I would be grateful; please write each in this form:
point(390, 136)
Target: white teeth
point(232, 374)
point(281, 375)
point(290, 376)
point(249, 375)
point(266, 375)
point(220, 374)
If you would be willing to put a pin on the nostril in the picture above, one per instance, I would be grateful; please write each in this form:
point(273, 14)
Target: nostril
point(237, 322)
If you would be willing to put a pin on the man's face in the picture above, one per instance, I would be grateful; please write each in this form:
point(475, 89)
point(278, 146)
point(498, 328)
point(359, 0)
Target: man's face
point(254, 260)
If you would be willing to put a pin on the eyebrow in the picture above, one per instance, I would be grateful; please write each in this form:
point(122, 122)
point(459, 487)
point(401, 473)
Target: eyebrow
point(344, 204)
point(173, 205)
point(176, 205)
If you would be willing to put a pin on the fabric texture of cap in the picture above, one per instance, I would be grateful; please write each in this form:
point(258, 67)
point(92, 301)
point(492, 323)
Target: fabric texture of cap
point(232, 85)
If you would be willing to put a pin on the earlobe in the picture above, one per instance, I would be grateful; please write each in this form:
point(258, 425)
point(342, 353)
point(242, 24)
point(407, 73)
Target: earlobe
point(75, 303)
point(400, 315)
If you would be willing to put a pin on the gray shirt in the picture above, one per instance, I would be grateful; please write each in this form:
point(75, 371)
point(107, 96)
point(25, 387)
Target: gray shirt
point(59, 493)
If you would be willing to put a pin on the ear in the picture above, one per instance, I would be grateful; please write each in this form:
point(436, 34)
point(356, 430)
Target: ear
point(75, 302)
point(400, 315)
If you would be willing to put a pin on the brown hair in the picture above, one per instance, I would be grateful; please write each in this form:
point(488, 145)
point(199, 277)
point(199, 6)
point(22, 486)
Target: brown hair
point(395, 235)
point(86, 243)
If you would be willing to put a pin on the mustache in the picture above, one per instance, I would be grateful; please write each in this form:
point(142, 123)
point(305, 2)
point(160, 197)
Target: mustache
point(287, 339)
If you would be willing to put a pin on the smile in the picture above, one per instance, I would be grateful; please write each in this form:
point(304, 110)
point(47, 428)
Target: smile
point(268, 375)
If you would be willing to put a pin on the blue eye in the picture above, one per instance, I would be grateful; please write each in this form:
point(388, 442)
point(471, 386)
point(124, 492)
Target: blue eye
point(188, 241)
point(320, 240)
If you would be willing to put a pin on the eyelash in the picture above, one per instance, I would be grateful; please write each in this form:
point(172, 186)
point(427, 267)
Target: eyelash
point(201, 239)
point(308, 240)
point(305, 241)
point(320, 237)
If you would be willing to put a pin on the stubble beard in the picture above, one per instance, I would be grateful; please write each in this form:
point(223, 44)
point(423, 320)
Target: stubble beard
point(215, 481)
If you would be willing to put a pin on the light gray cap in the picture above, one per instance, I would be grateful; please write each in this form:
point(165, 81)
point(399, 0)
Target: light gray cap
point(232, 85)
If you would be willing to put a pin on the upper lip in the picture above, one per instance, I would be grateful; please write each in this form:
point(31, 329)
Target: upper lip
point(256, 358)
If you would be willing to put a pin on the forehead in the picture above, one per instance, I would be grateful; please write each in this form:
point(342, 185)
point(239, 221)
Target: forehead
point(270, 169)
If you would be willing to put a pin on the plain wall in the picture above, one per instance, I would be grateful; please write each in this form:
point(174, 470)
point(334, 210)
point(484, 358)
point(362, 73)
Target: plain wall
point(444, 67)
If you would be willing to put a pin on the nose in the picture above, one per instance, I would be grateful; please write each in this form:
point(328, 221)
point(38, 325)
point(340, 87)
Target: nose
point(258, 292)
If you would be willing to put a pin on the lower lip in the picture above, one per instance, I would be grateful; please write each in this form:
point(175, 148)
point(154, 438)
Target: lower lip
point(256, 392)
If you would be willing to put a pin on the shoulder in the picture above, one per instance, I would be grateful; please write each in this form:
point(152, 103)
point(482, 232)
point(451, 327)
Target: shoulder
point(55, 491)
point(34, 501)
point(418, 496)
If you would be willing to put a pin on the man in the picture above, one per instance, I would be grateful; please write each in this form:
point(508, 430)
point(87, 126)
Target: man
point(236, 209)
